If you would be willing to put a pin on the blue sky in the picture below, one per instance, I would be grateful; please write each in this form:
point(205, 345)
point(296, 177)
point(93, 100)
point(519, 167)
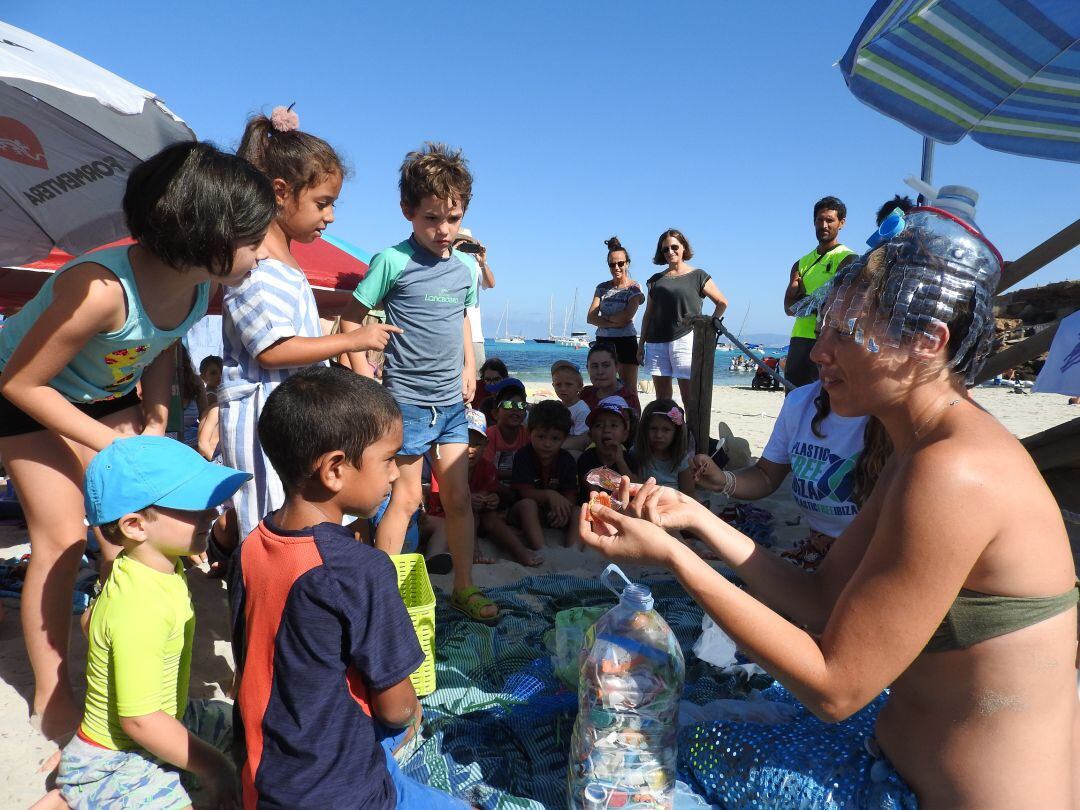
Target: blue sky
point(580, 121)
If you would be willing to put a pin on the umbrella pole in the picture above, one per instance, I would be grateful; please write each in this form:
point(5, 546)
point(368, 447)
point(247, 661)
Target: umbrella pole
point(926, 173)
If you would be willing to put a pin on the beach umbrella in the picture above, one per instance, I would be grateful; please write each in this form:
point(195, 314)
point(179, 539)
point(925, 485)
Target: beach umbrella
point(332, 266)
point(1005, 72)
point(70, 134)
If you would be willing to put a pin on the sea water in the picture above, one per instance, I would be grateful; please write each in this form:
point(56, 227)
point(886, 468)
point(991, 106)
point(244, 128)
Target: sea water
point(531, 362)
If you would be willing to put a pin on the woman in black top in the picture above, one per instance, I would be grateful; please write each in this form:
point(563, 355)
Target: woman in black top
point(675, 295)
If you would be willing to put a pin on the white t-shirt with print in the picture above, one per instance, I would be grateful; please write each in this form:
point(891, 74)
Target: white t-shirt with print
point(822, 469)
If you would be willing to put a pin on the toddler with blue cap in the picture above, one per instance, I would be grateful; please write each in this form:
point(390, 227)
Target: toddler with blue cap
point(156, 498)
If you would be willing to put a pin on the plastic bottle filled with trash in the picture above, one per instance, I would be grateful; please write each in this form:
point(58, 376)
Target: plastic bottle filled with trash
point(623, 750)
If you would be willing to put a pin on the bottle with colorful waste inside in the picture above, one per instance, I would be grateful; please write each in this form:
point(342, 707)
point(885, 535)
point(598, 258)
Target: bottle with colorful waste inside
point(623, 750)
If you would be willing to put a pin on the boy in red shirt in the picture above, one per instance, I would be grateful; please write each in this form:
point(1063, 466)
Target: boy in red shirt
point(490, 500)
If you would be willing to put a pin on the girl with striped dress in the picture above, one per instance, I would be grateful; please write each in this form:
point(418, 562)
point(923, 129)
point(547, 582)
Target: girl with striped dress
point(270, 324)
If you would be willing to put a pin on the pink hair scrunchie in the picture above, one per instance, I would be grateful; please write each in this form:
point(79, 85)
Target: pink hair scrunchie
point(283, 119)
point(676, 416)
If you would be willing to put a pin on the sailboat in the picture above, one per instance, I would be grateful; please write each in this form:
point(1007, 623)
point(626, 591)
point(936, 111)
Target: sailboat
point(575, 339)
point(551, 337)
point(504, 322)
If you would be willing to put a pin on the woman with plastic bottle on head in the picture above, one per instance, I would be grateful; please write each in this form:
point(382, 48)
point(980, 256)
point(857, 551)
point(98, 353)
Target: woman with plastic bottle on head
point(954, 587)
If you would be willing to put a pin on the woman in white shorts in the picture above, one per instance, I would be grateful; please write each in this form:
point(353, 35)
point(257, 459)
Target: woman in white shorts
point(675, 295)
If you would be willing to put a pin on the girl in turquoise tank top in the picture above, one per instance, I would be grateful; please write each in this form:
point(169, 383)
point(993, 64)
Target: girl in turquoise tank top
point(74, 358)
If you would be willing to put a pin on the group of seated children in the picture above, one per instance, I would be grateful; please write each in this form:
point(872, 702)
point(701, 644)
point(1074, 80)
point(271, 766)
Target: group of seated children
point(322, 641)
point(528, 463)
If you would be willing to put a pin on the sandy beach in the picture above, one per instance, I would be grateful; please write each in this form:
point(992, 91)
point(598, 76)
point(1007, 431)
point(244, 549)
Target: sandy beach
point(749, 414)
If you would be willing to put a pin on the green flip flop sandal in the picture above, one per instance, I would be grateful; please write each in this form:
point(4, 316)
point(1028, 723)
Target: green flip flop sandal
point(471, 601)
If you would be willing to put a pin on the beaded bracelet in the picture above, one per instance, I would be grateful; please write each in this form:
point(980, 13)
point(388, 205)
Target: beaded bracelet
point(729, 483)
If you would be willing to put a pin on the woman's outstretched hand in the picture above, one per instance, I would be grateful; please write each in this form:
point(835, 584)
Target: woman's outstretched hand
point(662, 506)
point(623, 538)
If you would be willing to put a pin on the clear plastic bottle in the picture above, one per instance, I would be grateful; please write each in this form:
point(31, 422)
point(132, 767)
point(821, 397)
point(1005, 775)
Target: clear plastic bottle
point(623, 750)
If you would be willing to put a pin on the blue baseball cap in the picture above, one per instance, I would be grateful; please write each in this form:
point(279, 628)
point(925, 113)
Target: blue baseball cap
point(140, 471)
point(502, 385)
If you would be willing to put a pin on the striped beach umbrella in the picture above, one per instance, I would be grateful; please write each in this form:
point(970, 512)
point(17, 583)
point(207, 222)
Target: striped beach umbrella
point(1007, 72)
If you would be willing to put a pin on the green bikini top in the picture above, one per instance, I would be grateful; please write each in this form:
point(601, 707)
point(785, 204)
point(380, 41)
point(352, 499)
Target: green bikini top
point(975, 617)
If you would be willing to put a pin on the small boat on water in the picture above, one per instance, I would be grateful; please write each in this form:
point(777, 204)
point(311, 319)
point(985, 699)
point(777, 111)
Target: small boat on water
point(575, 339)
point(741, 364)
point(504, 324)
point(551, 337)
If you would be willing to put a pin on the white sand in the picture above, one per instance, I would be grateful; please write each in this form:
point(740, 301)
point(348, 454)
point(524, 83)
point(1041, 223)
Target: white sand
point(750, 414)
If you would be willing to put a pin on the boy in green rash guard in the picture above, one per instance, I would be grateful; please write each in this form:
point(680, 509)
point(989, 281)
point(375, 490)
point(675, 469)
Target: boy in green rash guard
point(808, 274)
point(156, 497)
point(425, 286)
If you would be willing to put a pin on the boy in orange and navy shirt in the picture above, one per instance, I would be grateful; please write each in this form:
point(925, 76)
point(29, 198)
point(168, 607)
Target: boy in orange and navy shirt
point(322, 640)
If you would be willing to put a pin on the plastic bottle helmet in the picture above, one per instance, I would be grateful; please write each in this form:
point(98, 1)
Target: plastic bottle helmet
point(934, 269)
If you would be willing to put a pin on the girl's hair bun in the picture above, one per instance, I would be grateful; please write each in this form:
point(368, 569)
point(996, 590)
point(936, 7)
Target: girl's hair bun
point(283, 119)
point(613, 243)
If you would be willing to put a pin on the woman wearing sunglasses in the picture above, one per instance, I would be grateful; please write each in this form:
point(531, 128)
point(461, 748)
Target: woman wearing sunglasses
point(675, 295)
point(613, 308)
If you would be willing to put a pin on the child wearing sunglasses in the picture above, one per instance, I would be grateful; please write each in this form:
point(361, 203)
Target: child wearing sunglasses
point(508, 435)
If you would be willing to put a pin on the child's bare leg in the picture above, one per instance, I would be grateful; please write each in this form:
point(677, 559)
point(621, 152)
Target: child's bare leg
point(48, 477)
point(526, 514)
point(51, 801)
point(493, 525)
point(450, 465)
point(435, 527)
point(404, 501)
point(572, 538)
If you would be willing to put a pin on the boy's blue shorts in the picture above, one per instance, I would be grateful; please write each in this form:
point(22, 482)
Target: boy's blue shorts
point(413, 795)
point(426, 425)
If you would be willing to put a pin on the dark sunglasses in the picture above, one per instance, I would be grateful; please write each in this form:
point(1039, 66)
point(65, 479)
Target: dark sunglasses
point(511, 405)
point(620, 265)
point(492, 380)
point(671, 248)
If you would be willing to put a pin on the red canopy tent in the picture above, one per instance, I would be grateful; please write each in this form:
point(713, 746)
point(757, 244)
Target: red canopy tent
point(332, 272)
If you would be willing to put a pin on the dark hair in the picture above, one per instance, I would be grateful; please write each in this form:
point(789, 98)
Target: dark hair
point(319, 410)
point(190, 384)
point(296, 157)
point(659, 407)
point(494, 364)
point(831, 204)
point(437, 171)
point(192, 205)
point(660, 258)
point(877, 447)
point(615, 246)
point(905, 204)
point(600, 346)
point(210, 360)
point(552, 415)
